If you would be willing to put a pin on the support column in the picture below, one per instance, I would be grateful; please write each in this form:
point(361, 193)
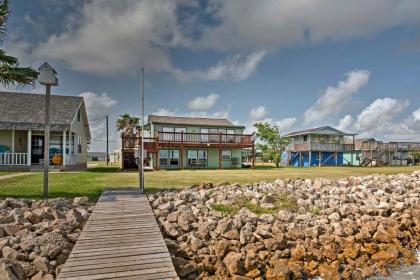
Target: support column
point(13, 140)
point(64, 148)
point(310, 151)
point(253, 156)
point(352, 151)
point(319, 159)
point(336, 158)
point(29, 147)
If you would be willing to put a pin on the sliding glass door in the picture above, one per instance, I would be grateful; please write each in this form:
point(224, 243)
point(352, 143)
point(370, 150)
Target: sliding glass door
point(169, 158)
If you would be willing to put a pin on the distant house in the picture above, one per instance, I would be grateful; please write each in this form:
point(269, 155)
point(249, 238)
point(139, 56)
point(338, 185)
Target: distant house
point(318, 146)
point(371, 152)
point(187, 142)
point(22, 131)
point(96, 156)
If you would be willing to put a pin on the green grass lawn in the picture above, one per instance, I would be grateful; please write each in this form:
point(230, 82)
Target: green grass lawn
point(94, 180)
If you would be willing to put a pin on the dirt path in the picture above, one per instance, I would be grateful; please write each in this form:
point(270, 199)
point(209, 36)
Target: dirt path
point(14, 175)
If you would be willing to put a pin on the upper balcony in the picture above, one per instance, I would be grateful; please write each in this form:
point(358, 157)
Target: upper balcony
point(321, 147)
point(188, 139)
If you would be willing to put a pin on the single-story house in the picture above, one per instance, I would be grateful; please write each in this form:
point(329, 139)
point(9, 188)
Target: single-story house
point(22, 121)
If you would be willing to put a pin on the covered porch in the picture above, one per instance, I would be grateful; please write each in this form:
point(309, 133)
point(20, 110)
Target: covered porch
point(22, 148)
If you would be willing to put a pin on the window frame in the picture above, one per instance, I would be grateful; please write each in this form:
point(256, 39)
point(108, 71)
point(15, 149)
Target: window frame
point(224, 157)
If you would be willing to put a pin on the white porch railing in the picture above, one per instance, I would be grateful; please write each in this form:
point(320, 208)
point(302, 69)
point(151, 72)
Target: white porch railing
point(13, 158)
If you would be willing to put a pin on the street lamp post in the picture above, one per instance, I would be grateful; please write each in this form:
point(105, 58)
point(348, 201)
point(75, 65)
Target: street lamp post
point(141, 157)
point(48, 77)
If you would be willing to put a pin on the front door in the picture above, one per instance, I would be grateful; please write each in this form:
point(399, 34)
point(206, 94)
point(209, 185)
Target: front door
point(37, 149)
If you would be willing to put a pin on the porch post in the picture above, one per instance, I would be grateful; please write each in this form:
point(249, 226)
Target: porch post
point(310, 151)
point(64, 148)
point(13, 140)
point(29, 147)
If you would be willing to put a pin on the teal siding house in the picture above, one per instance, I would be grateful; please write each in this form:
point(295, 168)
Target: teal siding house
point(319, 146)
point(186, 142)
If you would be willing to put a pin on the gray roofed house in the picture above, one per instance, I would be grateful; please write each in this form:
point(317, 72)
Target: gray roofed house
point(22, 131)
point(190, 121)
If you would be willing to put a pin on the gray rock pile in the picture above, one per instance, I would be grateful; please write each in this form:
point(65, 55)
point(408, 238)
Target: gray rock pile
point(36, 236)
point(292, 229)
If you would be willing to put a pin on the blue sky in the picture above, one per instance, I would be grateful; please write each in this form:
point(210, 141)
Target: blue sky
point(295, 64)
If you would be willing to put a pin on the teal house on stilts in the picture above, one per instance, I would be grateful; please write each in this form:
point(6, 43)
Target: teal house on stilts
point(320, 146)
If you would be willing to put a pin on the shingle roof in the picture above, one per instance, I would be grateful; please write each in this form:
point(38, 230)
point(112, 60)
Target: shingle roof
point(27, 110)
point(316, 129)
point(189, 121)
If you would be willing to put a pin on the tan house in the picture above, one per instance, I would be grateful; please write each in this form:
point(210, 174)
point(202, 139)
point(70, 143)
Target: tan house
point(22, 131)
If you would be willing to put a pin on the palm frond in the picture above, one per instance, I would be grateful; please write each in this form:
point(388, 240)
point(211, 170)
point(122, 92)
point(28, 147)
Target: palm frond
point(17, 75)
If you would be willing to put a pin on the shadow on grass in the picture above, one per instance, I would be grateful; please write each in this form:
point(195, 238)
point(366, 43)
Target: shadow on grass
point(103, 169)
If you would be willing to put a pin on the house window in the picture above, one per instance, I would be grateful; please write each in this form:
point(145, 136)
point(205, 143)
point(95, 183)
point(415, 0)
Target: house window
point(230, 134)
point(226, 154)
point(79, 144)
point(204, 134)
point(197, 158)
point(178, 130)
point(305, 138)
point(168, 133)
point(214, 137)
point(78, 115)
point(169, 158)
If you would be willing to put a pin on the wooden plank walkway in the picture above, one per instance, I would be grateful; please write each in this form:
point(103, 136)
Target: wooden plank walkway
point(121, 240)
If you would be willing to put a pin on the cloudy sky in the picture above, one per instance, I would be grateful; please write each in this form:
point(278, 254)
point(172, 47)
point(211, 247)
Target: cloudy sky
point(297, 64)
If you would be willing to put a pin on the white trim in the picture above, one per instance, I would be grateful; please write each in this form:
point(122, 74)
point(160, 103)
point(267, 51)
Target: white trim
point(64, 148)
point(29, 147)
point(13, 140)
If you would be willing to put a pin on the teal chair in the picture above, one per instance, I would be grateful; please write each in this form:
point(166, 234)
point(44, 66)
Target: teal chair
point(4, 149)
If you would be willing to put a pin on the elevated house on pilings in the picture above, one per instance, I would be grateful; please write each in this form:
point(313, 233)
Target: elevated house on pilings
point(185, 142)
point(370, 152)
point(319, 146)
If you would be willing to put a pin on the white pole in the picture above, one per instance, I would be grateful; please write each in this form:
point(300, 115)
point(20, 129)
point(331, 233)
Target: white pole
point(142, 134)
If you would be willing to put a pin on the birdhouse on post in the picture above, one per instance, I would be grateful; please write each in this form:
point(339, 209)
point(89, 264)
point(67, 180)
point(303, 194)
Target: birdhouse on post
point(47, 75)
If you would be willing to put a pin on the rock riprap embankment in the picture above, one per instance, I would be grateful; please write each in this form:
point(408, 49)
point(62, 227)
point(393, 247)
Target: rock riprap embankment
point(351, 228)
point(36, 236)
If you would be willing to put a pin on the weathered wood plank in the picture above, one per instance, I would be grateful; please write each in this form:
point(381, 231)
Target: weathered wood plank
point(121, 240)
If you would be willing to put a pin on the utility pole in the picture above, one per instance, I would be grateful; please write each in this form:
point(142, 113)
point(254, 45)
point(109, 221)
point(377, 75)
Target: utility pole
point(141, 168)
point(107, 141)
point(47, 138)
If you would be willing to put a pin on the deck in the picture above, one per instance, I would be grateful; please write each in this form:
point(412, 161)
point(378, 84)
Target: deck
point(121, 240)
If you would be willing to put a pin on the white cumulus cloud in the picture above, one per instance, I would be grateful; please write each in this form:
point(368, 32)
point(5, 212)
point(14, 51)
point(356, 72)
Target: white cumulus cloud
point(416, 115)
point(345, 123)
point(335, 97)
point(258, 113)
point(379, 113)
point(235, 68)
point(203, 103)
point(285, 124)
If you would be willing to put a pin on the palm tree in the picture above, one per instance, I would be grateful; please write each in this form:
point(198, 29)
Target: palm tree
point(10, 72)
point(127, 124)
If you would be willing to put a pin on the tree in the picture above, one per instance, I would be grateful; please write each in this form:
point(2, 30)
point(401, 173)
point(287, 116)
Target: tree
point(10, 72)
point(271, 143)
point(127, 124)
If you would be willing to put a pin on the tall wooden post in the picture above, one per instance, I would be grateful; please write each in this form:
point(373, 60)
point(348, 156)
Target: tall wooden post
point(157, 152)
point(29, 147)
point(253, 156)
point(220, 150)
point(47, 139)
point(181, 150)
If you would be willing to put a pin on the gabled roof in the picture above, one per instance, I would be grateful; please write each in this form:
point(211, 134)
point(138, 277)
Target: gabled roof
point(318, 130)
point(190, 121)
point(27, 111)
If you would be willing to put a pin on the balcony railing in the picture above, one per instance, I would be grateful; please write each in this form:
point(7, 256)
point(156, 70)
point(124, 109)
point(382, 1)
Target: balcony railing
point(187, 137)
point(391, 146)
point(151, 144)
point(13, 158)
point(321, 147)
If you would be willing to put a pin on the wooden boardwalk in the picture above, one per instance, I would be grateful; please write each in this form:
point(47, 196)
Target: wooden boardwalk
point(121, 240)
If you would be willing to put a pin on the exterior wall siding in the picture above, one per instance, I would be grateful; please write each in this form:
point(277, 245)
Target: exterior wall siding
point(212, 159)
point(327, 158)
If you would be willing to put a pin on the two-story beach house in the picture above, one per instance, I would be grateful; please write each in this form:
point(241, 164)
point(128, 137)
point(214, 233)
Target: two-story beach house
point(187, 142)
point(317, 147)
point(22, 131)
